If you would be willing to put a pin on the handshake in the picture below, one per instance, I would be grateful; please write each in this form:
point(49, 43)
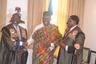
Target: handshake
point(62, 44)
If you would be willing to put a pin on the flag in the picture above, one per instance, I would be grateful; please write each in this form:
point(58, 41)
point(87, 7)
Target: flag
point(50, 8)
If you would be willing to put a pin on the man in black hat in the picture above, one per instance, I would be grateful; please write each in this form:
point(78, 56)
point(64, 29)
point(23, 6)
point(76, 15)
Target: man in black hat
point(12, 50)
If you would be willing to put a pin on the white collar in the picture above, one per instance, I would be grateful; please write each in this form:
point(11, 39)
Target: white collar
point(73, 27)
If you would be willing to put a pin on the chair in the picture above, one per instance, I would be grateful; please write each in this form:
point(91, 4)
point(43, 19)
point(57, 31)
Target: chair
point(86, 55)
point(93, 57)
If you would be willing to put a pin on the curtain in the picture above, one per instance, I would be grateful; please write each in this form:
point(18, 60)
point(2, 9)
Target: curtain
point(62, 15)
point(3, 6)
point(65, 9)
point(61, 20)
point(76, 7)
point(35, 12)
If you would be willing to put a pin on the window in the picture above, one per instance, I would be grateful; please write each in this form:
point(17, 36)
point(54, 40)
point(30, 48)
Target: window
point(55, 12)
point(11, 4)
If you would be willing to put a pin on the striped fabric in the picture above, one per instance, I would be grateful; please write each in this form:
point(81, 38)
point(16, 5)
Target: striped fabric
point(41, 50)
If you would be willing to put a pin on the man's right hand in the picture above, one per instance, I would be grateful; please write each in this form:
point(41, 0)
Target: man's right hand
point(62, 44)
point(30, 46)
point(77, 46)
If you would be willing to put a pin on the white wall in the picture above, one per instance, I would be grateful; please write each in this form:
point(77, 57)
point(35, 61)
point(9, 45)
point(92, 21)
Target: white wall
point(90, 24)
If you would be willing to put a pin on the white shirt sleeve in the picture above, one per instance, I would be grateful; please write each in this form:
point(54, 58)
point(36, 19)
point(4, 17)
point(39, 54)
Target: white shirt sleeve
point(52, 46)
point(31, 40)
point(66, 48)
point(38, 27)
